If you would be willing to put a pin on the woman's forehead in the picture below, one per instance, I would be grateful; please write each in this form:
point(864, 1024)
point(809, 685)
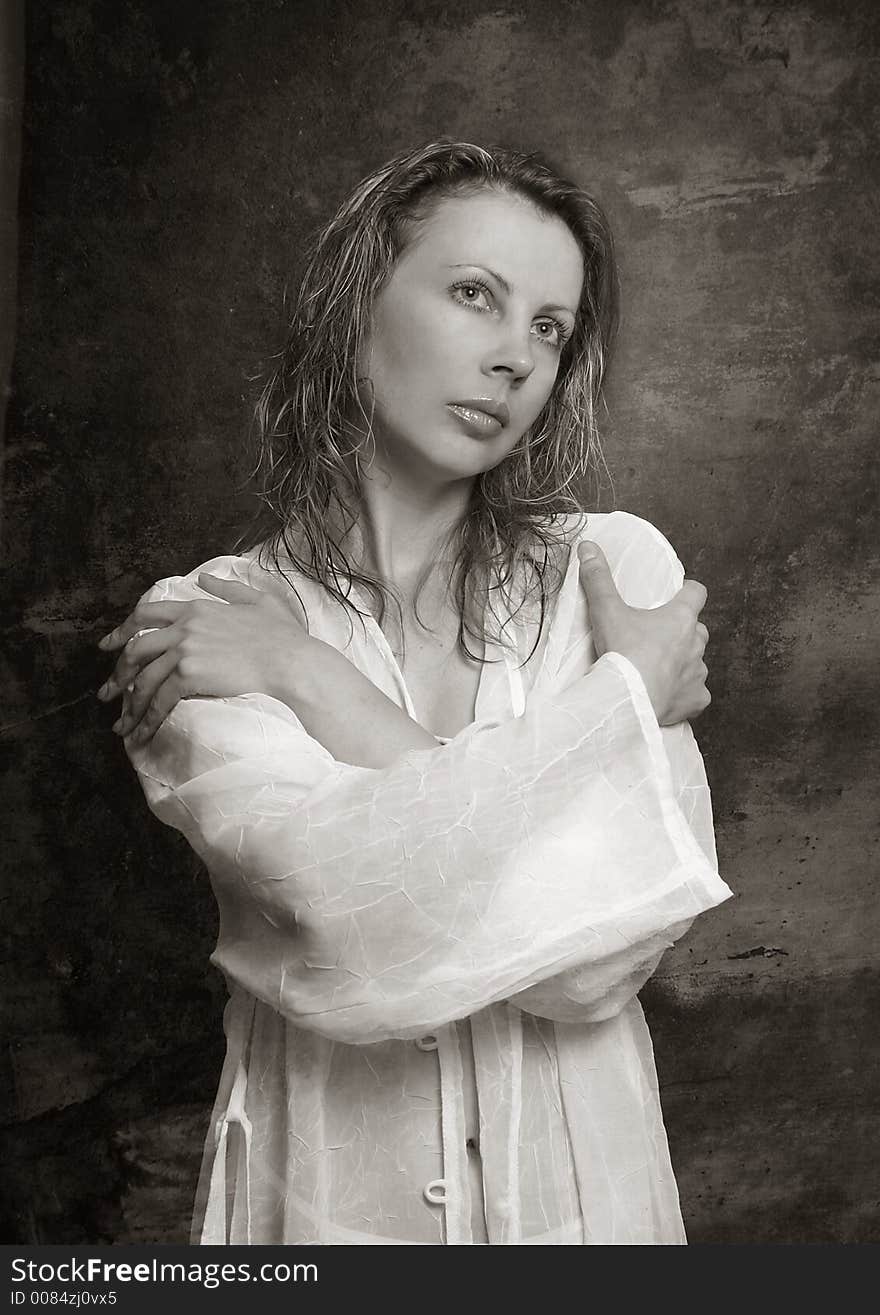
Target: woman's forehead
point(503, 232)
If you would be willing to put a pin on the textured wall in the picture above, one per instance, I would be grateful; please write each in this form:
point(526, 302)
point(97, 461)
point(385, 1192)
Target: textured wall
point(174, 155)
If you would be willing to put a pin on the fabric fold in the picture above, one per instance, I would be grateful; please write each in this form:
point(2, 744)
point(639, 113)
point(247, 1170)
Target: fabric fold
point(515, 852)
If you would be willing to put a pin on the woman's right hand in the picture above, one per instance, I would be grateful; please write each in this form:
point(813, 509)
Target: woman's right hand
point(665, 644)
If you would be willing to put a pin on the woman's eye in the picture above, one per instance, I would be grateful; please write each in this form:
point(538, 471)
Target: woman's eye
point(468, 293)
point(552, 332)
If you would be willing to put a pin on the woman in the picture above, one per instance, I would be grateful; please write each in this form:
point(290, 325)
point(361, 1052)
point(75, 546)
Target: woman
point(443, 874)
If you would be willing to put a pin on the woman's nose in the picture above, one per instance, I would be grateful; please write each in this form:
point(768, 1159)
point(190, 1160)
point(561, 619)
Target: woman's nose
point(513, 356)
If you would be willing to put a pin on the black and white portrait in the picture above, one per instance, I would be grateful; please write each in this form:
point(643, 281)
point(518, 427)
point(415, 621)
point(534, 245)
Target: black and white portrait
point(439, 513)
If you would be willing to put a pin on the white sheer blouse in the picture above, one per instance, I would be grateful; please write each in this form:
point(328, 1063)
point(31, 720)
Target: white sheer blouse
point(527, 875)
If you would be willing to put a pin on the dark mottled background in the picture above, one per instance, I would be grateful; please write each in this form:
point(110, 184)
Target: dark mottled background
point(173, 157)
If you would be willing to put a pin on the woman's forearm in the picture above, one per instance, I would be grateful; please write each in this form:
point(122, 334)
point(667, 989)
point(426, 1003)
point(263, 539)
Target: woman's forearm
point(344, 711)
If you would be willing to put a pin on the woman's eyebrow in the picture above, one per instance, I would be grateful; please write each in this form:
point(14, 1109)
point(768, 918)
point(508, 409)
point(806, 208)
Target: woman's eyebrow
point(505, 285)
point(497, 277)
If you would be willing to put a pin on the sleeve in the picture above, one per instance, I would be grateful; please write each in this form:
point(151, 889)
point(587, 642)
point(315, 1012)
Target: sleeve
point(367, 904)
point(647, 573)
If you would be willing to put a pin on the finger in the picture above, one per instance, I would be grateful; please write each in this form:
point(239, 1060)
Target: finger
point(595, 574)
point(233, 591)
point(146, 684)
point(694, 594)
point(701, 635)
point(138, 652)
point(164, 700)
point(146, 616)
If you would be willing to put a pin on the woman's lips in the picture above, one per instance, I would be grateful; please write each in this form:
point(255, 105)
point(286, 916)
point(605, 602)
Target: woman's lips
point(478, 423)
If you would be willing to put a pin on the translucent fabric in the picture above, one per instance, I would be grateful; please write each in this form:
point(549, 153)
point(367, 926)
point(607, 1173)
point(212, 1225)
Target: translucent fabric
point(526, 875)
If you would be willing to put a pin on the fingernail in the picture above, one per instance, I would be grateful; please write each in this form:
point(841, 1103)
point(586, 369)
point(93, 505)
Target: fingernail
point(102, 643)
point(102, 692)
point(586, 551)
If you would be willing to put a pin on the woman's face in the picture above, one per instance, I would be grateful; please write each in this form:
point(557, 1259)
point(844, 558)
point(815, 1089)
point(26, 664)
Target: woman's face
point(467, 334)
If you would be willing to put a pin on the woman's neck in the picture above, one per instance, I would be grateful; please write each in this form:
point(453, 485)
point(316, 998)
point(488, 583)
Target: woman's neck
point(405, 533)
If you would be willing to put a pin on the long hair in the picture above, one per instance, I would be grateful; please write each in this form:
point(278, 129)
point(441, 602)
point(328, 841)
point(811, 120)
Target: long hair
point(310, 447)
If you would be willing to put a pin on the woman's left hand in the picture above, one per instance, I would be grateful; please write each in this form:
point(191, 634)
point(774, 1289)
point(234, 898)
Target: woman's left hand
point(201, 648)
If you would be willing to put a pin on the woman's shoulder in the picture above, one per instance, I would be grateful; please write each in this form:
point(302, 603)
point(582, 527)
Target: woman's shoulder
point(645, 566)
point(249, 567)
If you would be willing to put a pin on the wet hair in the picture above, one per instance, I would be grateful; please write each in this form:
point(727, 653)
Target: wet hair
point(311, 421)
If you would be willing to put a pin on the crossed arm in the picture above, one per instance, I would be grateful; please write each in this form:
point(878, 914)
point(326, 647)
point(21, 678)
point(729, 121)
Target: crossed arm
point(174, 649)
point(351, 906)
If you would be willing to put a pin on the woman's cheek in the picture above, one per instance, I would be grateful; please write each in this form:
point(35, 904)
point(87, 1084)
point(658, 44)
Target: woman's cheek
point(539, 402)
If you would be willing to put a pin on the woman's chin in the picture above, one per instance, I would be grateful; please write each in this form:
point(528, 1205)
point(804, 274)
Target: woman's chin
point(458, 459)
